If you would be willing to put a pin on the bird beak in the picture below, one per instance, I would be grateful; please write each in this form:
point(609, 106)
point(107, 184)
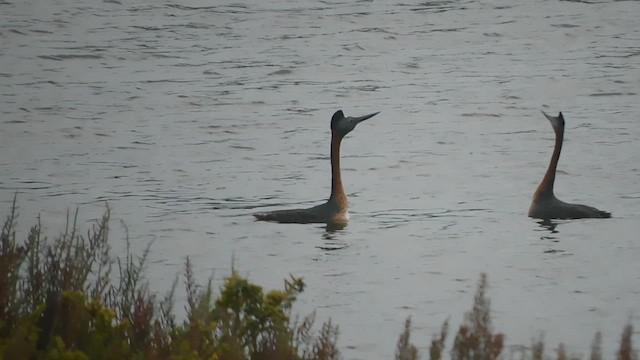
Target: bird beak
point(550, 118)
point(553, 119)
point(363, 118)
point(557, 122)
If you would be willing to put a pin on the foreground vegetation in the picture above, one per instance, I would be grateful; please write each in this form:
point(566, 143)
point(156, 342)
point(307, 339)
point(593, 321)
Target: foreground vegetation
point(69, 298)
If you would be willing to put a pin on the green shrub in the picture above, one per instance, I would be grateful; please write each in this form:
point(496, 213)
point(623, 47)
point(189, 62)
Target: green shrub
point(58, 300)
point(476, 339)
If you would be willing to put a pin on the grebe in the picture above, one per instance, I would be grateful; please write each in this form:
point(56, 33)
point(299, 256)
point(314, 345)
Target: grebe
point(545, 205)
point(334, 211)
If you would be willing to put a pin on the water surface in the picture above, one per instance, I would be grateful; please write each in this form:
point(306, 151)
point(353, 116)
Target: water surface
point(188, 116)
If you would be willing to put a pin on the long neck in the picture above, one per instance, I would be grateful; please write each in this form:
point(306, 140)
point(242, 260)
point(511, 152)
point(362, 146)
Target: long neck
point(337, 191)
point(545, 189)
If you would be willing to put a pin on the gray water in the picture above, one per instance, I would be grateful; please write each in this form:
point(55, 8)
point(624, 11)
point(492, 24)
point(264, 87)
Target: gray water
point(188, 116)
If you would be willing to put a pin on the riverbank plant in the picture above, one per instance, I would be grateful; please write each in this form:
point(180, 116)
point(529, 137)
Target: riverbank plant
point(68, 297)
point(477, 340)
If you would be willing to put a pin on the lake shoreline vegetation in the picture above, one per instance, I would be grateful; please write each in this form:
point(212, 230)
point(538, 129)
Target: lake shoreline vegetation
point(68, 297)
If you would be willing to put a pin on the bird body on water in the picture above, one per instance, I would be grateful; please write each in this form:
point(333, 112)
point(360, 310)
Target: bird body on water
point(545, 205)
point(335, 210)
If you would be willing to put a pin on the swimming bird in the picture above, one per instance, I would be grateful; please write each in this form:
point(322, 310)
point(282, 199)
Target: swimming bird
point(545, 205)
point(335, 210)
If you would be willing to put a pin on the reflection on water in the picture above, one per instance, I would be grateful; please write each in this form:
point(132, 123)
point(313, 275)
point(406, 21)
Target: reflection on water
point(550, 235)
point(332, 228)
point(549, 225)
point(189, 117)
